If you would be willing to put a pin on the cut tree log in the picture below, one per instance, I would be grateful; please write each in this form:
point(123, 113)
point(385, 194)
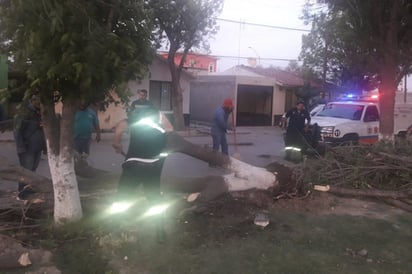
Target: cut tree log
point(399, 204)
point(399, 199)
point(18, 174)
point(241, 177)
point(373, 193)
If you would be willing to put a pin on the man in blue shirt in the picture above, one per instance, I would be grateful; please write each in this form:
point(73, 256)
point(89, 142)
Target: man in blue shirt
point(220, 126)
point(85, 123)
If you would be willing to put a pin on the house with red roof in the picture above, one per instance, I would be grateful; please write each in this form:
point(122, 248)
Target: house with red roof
point(195, 63)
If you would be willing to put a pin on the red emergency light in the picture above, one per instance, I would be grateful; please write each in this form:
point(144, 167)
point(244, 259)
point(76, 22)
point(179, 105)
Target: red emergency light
point(355, 97)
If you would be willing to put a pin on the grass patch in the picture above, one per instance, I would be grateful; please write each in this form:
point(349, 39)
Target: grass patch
point(226, 241)
point(292, 243)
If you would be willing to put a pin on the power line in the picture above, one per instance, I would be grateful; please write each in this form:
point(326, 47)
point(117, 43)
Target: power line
point(261, 58)
point(261, 25)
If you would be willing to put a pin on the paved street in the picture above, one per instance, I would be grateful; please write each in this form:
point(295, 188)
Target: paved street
point(258, 146)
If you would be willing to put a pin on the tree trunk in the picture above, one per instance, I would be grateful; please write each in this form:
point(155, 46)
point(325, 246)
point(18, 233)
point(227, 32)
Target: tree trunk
point(67, 205)
point(176, 91)
point(241, 176)
point(387, 95)
point(371, 193)
point(389, 69)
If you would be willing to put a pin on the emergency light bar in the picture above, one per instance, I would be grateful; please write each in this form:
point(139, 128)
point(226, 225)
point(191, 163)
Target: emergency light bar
point(357, 97)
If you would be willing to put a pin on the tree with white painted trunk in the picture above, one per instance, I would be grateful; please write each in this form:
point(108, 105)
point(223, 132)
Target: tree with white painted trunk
point(84, 50)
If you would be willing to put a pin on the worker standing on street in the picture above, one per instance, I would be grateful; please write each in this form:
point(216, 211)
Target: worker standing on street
point(85, 122)
point(141, 99)
point(146, 153)
point(220, 126)
point(30, 139)
point(296, 121)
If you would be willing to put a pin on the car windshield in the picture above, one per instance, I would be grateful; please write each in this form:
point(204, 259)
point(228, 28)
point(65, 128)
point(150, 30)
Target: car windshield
point(317, 109)
point(345, 111)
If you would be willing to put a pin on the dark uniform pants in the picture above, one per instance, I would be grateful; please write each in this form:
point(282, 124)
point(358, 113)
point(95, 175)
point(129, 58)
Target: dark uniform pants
point(295, 138)
point(135, 173)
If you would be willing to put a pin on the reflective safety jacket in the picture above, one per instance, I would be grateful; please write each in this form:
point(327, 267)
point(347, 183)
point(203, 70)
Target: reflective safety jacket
point(147, 138)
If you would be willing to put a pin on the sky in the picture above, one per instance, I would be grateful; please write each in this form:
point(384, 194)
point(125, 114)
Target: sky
point(242, 40)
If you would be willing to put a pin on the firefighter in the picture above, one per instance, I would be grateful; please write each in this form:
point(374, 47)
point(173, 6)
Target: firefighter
point(145, 156)
point(299, 120)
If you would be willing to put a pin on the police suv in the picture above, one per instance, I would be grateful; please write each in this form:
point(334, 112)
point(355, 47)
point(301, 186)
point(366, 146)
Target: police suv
point(355, 120)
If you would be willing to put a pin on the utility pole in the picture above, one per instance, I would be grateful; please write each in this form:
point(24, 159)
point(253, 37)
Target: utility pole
point(405, 94)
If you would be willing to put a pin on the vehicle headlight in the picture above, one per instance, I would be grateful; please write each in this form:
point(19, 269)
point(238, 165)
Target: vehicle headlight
point(327, 131)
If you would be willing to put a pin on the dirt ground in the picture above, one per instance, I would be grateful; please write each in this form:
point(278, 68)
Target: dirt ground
point(321, 233)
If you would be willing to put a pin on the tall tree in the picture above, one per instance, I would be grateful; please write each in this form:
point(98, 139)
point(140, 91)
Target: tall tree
point(373, 37)
point(79, 50)
point(183, 24)
point(325, 49)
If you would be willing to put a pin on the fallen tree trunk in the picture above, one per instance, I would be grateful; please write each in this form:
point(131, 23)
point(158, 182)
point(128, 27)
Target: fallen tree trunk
point(395, 198)
point(372, 193)
point(399, 204)
point(18, 174)
point(241, 176)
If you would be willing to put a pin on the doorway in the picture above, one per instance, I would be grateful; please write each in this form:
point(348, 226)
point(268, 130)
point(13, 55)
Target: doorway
point(254, 105)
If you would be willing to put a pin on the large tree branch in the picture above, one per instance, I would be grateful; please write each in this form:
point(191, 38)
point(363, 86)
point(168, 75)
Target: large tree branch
point(371, 193)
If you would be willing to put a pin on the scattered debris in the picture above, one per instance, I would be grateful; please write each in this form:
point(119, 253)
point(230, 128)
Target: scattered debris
point(24, 259)
point(261, 219)
point(193, 196)
point(363, 252)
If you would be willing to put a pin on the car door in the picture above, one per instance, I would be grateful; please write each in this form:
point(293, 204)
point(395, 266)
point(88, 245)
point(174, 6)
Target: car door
point(370, 130)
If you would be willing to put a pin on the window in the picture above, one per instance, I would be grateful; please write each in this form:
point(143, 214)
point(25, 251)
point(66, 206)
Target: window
point(371, 114)
point(160, 95)
point(211, 67)
point(345, 111)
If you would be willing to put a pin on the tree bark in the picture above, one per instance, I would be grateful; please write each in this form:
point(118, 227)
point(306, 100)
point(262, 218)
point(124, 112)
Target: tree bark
point(389, 69)
point(19, 174)
point(371, 193)
point(59, 136)
point(387, 100)
point(176, 90)
point(399, 204)
point(241, 176)
point(178, 144)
